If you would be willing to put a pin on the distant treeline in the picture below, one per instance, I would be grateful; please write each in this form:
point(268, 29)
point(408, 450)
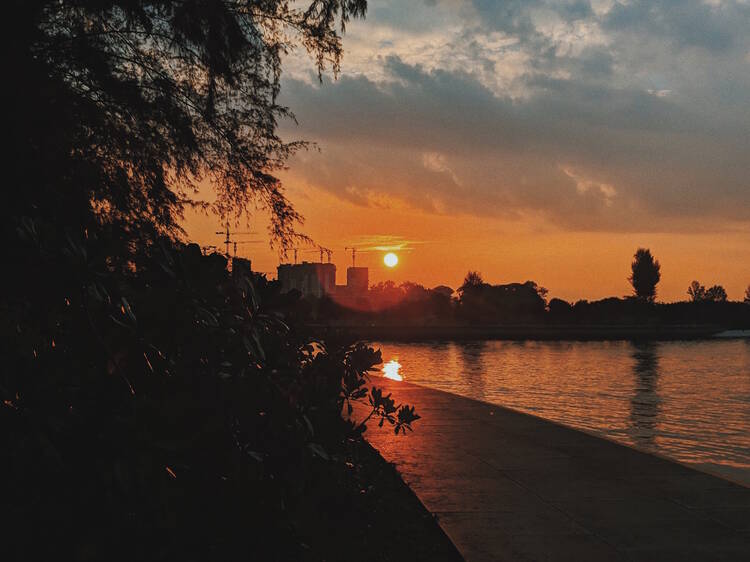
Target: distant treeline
point(479, 302)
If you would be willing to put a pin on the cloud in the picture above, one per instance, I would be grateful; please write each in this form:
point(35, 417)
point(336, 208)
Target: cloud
point(589, 115)
point(384, 243)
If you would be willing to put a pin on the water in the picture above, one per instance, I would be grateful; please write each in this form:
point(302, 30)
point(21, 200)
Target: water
point(689, 401)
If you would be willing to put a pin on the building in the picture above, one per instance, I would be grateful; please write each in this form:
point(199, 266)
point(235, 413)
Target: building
point(241, 266)
point(357, 280)
point(310, 279)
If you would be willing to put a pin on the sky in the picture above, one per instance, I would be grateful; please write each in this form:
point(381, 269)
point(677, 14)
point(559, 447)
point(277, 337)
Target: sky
point(534, 139)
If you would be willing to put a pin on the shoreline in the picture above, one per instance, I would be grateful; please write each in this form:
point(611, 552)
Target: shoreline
point(528, 488)
point(403, 333)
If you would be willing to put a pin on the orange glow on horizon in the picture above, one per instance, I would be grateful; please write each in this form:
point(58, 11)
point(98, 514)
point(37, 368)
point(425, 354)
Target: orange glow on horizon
point(572, 265)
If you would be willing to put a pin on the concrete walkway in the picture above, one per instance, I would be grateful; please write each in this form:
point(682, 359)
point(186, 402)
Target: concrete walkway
point(509, 486)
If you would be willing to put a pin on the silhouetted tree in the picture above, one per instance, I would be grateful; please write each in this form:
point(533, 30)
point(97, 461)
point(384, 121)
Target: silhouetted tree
point(541, 291)
point(144, 389)
point(699, 293)
point(716, 294)
point(124, 108)
point(443, 290)
point(413, 291)
point(472, 297)
point(696, 291)
point(473, 280)
point(559, 308)
point(645, 274)
point(747, 295)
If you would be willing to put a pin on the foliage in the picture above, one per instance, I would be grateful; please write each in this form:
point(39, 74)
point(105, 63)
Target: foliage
point(716, 293)
point(522, 302)
point(747, 295)
point(408, 299)
point(126, 107)
point(472, 281)
point(645, 274)
point(153, 406)
point(559, 308)
point(696, 292)
point(699, 293)
point(133, 393)
point(482, 302)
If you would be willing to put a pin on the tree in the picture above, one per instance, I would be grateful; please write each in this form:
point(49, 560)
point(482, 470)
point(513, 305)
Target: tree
point(112, 331)
point(473, 280)
point(559, 307)
point(716, 294)
point(443, 290)
point(747, 295)
point(121, 109)
point(645, 274)
point(541, 291)
point(699, 293)
point(696, 291)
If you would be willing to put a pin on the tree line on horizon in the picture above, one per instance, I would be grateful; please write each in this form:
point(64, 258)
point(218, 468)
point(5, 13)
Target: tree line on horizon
point(646, 274)
point(478, 301)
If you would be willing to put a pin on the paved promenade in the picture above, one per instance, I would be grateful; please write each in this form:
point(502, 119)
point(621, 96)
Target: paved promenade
point(509, 486)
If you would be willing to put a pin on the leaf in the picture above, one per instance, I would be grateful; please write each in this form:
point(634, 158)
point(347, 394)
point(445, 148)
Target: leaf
point(257, 343)
point(118, 322)
point(207, 317)
point(309, 424)
point(319, 451)
point(127, 310)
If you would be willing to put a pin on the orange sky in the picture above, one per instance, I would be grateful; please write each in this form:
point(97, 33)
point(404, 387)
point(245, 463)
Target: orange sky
point(528, 140)
point(443, 247)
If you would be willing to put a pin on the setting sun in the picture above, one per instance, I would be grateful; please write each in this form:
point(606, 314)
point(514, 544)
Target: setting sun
point(390, 259)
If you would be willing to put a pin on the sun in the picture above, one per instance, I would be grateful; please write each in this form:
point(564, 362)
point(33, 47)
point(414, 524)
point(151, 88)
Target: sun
point(390, 259)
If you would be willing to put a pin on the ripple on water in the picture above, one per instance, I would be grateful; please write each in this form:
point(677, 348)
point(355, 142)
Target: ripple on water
point(686, 400)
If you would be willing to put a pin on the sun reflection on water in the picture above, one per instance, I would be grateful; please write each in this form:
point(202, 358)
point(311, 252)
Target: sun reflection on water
point(686, 400)
point(391, 370)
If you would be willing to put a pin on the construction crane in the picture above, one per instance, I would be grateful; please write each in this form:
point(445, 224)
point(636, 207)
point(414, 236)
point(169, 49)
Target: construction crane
point(228, 240)
point(354, 255)
point(325, 251)
point(320, 249)
point(235, 242)
point(295, 252)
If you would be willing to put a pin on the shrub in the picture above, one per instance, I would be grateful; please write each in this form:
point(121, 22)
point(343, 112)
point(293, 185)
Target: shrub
point(133, 404)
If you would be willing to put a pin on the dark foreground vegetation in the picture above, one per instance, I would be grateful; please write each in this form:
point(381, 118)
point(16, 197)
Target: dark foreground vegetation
point(168, 414)
point(154, 406)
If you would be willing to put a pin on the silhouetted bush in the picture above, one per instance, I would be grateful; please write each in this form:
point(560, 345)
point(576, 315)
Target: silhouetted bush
point(165, 409)
point(560, 310)
point(153, 406)
point(514, 302)
point(698, 293)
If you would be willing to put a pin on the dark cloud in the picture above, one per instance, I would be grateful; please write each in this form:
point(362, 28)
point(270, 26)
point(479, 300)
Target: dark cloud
point(684, 22)
point(598, 139)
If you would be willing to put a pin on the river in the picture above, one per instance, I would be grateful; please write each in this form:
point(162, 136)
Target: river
point(689, 401)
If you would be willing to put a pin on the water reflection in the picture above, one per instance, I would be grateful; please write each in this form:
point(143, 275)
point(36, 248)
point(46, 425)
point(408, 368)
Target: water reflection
point(472, 357)
point(645, 403)
point(391, 370)
point(687, 400)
